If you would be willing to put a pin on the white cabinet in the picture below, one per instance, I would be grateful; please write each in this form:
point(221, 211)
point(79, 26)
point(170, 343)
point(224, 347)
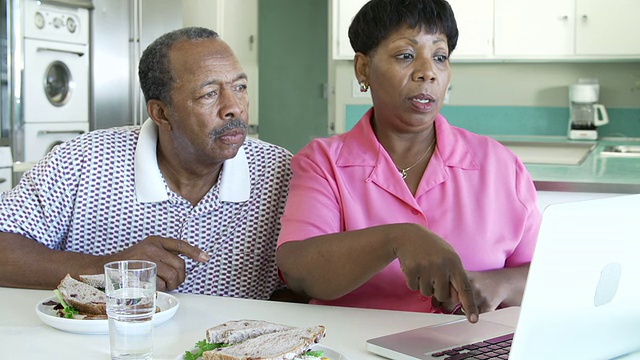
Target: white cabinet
point(608, 27)
point(525, 28)
point(475, 25)
point(343, 12)
point(566, 29)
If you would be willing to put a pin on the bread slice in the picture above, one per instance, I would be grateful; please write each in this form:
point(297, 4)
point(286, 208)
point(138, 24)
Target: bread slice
point(97, 280)
point(280, 345)
point(233, 332)
point(85, 298)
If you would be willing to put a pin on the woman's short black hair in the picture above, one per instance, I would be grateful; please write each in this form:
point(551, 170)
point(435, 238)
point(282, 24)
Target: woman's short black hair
point(377, 19)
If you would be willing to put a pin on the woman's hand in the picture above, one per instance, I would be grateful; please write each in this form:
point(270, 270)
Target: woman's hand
point(499, 288)
point(432, 267)
point(492, 289)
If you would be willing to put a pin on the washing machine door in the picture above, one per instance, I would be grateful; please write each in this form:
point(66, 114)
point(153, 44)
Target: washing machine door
point(56, 86)
point(58, 83)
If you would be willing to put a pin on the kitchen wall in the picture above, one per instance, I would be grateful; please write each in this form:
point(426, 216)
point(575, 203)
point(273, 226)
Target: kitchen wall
point(293, 59)
point(515, 98)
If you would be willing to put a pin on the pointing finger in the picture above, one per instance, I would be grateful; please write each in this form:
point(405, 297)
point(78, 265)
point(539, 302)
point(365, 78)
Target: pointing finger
point(464, 289)
point(184, 248)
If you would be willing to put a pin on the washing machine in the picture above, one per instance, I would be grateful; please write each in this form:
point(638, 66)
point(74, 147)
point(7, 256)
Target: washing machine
point(55, 91)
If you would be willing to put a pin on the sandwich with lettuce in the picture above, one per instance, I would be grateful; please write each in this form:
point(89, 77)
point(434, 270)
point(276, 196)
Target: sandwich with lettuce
point(258, 340)
point(83, 300)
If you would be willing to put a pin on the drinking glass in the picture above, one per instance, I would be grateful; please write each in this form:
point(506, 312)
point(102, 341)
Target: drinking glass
point(131, 302)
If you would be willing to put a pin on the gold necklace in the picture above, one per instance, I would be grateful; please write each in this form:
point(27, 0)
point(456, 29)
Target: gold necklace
point(404, 171)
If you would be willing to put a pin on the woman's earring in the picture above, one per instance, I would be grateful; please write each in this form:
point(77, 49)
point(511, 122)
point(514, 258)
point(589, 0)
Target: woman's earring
point(364, 87)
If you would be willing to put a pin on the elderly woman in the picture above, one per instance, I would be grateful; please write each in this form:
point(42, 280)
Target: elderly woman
point(405, 211)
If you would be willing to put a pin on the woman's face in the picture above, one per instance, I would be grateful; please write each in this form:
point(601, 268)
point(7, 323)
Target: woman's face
point(408, 74)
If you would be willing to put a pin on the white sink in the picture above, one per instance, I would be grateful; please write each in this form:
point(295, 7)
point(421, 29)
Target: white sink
point(621, 151)
point(553, 153)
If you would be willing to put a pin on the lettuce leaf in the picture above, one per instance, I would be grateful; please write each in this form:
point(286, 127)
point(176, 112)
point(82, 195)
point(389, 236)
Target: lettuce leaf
point(201, 347)
point(68, 310)
point(314, 353)
point(311, 354)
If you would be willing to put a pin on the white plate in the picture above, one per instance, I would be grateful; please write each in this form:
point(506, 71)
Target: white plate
point(167, 303)
point(328, 352)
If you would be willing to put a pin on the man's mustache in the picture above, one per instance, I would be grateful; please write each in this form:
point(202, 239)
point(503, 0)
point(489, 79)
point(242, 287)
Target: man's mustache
point(233, 124)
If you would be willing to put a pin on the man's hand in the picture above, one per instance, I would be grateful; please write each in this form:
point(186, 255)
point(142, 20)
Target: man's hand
point(432, 266)
point(164, 252)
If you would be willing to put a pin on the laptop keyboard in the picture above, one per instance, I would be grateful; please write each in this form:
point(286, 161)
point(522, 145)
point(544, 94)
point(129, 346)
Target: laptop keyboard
point(494, 348)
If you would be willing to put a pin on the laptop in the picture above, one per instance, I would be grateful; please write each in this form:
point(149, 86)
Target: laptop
point(581, 300)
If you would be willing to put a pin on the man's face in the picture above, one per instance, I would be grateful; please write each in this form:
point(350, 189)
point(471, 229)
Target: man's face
point(209, 101)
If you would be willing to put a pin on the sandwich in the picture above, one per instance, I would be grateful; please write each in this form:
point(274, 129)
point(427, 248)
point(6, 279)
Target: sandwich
point(82, 299)
point(258, 340)
point(79, 300)
point(97, 280)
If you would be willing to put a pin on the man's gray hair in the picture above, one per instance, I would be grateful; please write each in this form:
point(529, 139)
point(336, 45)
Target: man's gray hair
point(156, 78)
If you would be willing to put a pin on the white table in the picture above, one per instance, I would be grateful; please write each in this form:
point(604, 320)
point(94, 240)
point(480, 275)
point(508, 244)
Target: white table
point(24, 336)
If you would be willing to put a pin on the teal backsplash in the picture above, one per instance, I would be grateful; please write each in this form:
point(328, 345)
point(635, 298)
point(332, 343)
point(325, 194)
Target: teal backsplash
point(521, 120)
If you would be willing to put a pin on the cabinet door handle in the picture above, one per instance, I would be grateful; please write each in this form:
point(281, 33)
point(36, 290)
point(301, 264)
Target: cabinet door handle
point(2, 180)
point(563, 17)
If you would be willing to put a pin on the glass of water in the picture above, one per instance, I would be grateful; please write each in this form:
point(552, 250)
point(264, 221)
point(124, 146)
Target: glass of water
point(131, 302)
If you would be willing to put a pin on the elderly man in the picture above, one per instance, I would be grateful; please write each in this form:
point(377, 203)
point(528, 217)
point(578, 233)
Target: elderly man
point(187, 190)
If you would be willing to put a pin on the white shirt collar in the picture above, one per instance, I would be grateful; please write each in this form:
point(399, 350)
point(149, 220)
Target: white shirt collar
point(150, 185)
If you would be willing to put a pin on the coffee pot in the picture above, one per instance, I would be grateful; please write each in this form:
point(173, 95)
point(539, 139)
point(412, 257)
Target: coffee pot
point(585, 112)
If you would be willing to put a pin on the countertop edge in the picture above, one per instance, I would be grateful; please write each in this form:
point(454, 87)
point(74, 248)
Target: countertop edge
point(587, 187)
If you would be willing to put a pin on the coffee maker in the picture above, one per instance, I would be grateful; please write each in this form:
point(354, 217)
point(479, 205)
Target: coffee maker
point(585, 112)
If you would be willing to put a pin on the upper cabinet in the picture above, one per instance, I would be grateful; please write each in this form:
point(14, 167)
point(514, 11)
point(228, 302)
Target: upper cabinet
point(608, 27)
point(566, 29)
point(343, 12)
point(526, 30)
point(475, 26)
point(531, 29)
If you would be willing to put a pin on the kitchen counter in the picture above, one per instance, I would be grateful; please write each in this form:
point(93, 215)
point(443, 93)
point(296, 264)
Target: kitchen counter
point(596, 173)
